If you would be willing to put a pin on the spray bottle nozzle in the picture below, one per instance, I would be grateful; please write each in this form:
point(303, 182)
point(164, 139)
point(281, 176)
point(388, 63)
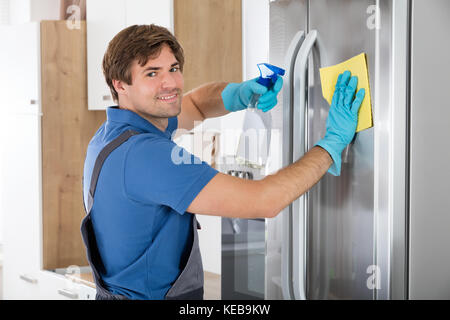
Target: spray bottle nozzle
point(268, 76)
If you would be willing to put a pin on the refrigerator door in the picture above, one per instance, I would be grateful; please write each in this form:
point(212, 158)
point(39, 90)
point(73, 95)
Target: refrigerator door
point(351, 241)
point(340, 210)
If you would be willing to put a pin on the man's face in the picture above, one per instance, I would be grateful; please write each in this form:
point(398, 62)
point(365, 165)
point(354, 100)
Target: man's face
point(156, 89)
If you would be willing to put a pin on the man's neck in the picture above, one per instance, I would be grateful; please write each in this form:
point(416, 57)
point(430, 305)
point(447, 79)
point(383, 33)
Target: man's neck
point(160, 123)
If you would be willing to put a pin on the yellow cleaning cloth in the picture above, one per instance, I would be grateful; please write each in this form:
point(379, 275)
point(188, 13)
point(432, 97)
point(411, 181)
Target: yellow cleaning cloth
point(358, 67)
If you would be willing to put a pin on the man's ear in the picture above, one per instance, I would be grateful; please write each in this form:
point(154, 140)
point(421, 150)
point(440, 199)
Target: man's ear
point(120, 87)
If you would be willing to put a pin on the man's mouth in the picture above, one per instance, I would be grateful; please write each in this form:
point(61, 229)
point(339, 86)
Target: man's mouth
point(168, 98)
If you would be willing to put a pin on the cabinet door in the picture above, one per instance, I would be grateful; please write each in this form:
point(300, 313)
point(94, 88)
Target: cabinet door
point(21, 207)
point(19, 62)
point(104, 19)
point(55, 286)
point(87, 293)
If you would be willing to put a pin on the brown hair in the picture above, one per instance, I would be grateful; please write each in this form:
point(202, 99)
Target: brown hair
point(138, 42)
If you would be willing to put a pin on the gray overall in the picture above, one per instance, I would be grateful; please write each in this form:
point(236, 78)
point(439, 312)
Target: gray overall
point(189, 284)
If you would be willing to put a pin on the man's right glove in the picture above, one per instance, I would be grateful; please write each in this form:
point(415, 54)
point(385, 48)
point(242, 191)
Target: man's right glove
point(236, 96)
point(342, 119)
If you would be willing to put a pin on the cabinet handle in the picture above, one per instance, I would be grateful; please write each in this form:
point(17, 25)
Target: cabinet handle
point(106, 98)
point(32, 101)
point(28, 279)
point(67, 293)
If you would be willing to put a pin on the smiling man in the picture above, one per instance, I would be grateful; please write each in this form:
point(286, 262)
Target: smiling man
point(140, 230)
point(155, 91)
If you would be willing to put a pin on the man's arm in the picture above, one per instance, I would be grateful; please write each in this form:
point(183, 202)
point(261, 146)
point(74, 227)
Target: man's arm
point(202, 103)
point(219, 98)
point(233, 197)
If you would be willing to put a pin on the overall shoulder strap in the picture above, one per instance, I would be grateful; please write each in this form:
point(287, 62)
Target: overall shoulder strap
point(104, 153)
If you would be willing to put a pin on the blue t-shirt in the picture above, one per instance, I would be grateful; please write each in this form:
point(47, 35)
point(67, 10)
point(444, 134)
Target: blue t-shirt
point(143, 232)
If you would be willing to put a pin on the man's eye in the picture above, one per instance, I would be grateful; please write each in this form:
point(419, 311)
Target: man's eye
point(174, 69)
point(152, 74)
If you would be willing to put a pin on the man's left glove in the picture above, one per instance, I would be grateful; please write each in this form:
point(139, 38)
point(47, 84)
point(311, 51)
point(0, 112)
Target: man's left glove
point(237, 96)
point(342, 119)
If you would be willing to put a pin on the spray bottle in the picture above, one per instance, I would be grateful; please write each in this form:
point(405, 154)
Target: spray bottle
point(253, 149)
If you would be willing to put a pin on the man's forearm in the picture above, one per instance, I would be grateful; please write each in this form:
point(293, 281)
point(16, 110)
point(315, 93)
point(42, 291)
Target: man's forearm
point(208, 100)
point(289, 183)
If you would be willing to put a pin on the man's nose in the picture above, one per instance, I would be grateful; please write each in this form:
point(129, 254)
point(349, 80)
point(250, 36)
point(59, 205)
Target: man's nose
point(168, 80)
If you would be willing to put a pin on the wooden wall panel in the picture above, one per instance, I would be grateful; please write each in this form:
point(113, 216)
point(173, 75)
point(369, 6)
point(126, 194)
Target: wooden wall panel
point(67, 127)
point(210, 32)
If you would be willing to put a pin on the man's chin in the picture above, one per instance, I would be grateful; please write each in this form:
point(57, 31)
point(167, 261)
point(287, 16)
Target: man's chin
point(174, 110)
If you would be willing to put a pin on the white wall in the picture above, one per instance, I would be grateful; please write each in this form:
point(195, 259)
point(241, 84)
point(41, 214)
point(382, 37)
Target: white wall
point(44, 9)
point(1, 204)
point(255, 36)
point(4, 12)
point(22, 11)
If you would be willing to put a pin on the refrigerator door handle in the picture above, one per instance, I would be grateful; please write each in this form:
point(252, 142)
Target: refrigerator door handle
point(300, 144)
point(288, 90)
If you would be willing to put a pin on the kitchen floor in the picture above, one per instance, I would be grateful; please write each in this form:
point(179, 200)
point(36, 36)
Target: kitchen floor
point(212, 286)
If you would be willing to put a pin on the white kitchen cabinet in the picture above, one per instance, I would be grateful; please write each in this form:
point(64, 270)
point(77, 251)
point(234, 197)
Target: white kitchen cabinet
point(19, 62)
point(21, 208)
point(87, 292)
point(104, 19)
point(58, 287)
point(21, 173)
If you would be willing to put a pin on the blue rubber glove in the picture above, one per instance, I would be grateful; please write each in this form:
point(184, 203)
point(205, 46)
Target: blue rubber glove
point(236, 96)
point(342, 119)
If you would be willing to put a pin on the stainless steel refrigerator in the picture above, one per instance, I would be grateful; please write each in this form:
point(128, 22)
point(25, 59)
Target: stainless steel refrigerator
point(381, 230)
